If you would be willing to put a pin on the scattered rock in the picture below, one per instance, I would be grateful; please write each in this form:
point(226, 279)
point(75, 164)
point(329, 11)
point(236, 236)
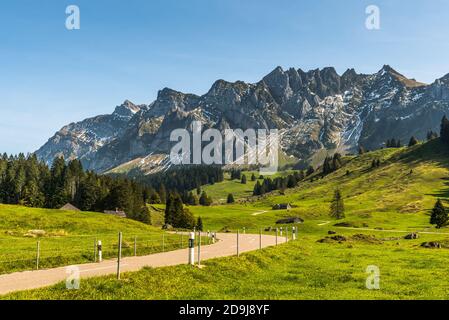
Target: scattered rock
point(225, 230)
point(35, 233)
point(344, 224)
point(167, 227)
point(290, 220)
point(412, 236)
point(366, 238)
point(331, 232)
point(431, 245)
point(338, 238)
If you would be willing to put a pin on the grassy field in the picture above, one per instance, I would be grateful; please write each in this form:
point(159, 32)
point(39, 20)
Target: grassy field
point(302, 269)
point(68, 237)
point(382, 206)
point(219, 191)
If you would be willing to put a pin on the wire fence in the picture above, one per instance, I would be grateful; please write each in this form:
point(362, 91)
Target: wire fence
point(22, 254)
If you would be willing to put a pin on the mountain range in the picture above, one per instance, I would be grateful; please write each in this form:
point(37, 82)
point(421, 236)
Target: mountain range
point(317, 112)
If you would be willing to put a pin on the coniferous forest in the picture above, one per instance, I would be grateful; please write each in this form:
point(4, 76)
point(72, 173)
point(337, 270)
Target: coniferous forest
point(26, 181)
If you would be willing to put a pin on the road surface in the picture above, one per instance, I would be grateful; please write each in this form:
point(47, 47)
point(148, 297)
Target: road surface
point(226, 246)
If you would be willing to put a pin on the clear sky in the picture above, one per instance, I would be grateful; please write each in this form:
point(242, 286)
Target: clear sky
point(51, 76)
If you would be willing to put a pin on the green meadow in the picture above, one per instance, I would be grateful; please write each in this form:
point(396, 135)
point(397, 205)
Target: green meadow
point(382, 205)
point(68, 237)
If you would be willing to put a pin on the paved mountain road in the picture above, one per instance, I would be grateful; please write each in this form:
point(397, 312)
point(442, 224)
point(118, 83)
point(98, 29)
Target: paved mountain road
point(226, 246)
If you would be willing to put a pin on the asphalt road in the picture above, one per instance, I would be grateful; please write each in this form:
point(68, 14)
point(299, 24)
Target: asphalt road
point(226, 246)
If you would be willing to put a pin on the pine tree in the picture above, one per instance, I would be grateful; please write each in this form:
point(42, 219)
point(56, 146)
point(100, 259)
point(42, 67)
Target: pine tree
point(337, 209)
point(205, 200)
point(439, 215)
point(253, 177)
point(199, 224)
point(230, 198)
point(413, 141)
point(243, 181)
point(310, 171)
point(257, 189)
point(431, 135)
point(444, 131)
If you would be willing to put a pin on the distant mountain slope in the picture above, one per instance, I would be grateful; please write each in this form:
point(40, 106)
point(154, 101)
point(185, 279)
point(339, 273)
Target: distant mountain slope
point(316, 111)
point(78, 140)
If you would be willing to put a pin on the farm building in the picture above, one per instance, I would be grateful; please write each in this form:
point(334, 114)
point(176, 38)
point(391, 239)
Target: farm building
point(69, 207)
point(116, 212)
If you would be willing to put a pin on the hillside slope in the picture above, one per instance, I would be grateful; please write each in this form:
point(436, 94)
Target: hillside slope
point(399, 194)
point(68, 237)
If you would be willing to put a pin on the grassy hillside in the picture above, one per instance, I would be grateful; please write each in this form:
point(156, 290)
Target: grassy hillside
point(382, 206)
point(219, 191)
point(302, 269)
point(68, 237)
point(397, 195)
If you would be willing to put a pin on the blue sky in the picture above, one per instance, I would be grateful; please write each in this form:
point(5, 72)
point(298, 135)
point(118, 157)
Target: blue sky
point(131, 49)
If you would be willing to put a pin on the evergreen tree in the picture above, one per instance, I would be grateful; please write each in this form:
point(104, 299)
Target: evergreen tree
point(230, 198)
point(243, 181)
point(310, 171)
point(257, 189)
point(337, 209)
point(431, 135)
point(162, 193)
point(444, 131)
point(155, 198)
point(413, 141)
point(439, 215)
point(205, 200)
point(199, 224)
point(253, 177)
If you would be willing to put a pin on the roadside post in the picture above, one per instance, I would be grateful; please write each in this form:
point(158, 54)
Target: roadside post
point(281, 231)
point(95, 250)
point(294, 233)
point(238, 249)
point(192, 248)
point(199, 248)
point(119, 254)
point(277, 231)
point(38, 254)
point(286, 234)
point(100, 251)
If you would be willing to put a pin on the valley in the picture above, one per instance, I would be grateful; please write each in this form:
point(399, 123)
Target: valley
point(331, 257)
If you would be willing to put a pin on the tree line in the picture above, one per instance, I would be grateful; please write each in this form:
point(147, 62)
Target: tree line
point(24, 180)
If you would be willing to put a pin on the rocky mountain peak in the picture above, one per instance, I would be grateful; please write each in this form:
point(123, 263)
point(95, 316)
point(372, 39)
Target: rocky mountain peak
point(127, 109)
point(317, 110)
